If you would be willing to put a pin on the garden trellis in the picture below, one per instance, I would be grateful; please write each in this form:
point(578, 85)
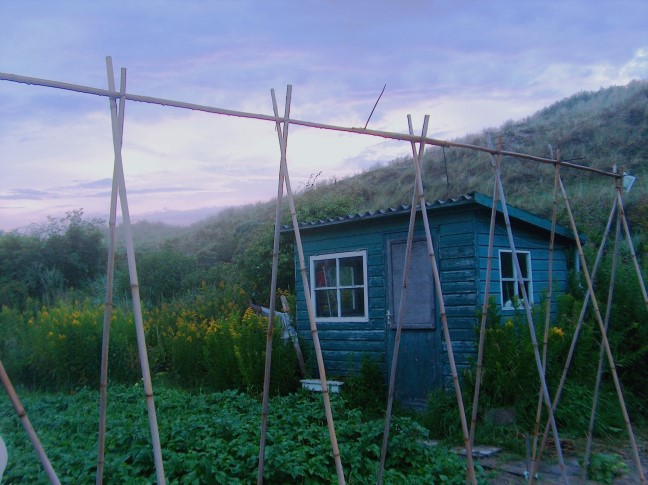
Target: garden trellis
point(117, 102)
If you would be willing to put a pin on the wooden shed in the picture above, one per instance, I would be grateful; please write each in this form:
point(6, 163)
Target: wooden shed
point(355, 267)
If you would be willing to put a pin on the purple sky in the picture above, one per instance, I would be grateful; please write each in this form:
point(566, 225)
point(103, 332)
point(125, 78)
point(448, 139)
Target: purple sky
point(468, 64)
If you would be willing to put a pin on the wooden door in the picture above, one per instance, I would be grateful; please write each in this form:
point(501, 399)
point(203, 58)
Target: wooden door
point(419, 369)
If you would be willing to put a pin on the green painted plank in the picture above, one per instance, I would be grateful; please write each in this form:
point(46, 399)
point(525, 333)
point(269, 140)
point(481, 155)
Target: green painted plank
point(457, 252)
point(353, 346)
point(456, 264)
point(449, 287)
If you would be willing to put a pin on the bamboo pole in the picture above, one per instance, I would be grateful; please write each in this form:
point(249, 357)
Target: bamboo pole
point(283, 142)
point(577, 330)
point(527, 308)
point(24, 420)
point(108, 304)
point(444, 322)
point(484, 315)
point(599, 370)
point(137, 307)
point(313, 327)
point(401, 308)
point(262, 117)
point(606, 343)
point(633, 254)
point(545, 340)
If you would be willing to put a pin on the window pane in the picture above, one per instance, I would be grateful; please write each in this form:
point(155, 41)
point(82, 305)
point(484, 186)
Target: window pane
point(351, 271)
point(526, 288)
point(506, 262)
point(326, 303)
point(522, 258)
point(352, 302)
point(325, 273)
point(508, 292)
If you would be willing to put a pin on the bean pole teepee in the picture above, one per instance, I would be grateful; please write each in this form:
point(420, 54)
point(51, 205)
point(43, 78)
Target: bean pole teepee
point(117, 102)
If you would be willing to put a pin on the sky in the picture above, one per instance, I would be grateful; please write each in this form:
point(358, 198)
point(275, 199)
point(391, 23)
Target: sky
point(468, 64)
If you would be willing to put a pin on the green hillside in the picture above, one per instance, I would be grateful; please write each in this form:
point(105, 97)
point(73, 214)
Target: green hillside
point(596, 129)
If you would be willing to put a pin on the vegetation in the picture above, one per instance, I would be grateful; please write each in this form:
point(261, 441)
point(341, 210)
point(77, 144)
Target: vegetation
point(206, 340)
point(197, 283)
point(214, 438)
point(510, 379)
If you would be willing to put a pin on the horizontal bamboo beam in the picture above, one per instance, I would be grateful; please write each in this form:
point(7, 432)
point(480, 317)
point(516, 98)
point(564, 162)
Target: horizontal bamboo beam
point(311, 124)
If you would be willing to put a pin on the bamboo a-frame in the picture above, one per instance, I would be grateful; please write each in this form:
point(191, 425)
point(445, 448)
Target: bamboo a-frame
point(119, 190)
point(282, 123)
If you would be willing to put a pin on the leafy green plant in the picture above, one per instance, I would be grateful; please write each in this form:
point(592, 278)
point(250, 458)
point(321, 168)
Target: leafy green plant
point(605, 467)
point(366, 389)
point(213, 438)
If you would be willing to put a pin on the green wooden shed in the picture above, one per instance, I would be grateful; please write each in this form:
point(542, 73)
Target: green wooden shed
point(355, 267)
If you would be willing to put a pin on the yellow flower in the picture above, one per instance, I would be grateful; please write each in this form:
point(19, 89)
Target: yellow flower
point(50, 334)
point(61, 336)
point(558, 332)
point(509, 323)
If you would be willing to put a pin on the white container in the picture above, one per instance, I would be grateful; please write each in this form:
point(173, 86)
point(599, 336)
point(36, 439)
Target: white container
point(316, 385)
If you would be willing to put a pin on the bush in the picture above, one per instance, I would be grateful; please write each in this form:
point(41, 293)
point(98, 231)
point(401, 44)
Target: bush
point(206, 339)
point(60, 347)
point(366, 389)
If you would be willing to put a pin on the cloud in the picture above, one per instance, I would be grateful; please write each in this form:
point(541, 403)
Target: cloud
point(26, 194)
point(469, 65)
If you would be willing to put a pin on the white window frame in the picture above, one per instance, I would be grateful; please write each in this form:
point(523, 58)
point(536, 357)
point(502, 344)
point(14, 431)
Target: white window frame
point(514, 279)
point(337, 288)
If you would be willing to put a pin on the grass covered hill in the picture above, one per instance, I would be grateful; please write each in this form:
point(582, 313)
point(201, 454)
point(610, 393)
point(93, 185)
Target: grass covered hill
point(597, 129)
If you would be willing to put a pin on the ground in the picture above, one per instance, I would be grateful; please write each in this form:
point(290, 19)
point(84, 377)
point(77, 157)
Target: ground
point(509, 470)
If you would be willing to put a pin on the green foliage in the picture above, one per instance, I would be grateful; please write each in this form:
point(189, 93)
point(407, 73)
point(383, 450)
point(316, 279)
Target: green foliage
point(163, 275)
point(67, 253)
point(510, 377)
point(441, 415)
point(59, 347)
point(207, 339)
point(366, 390)
point(605, 467)
point(214, 438)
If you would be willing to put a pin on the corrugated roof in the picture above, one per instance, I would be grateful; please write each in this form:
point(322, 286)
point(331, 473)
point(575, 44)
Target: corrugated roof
point(401, 209)
point(472, 198)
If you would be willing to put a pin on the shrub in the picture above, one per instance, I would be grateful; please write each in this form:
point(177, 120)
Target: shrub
point(366, 389)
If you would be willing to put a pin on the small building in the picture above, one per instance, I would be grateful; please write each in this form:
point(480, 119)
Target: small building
point(355, 268)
